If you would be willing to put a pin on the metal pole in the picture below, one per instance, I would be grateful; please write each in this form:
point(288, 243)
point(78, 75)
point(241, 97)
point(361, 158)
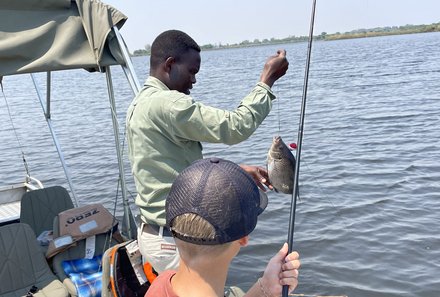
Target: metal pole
point(48, 92)
point(133, 80)
point(299, 142)
point(128, 68)
point(127, 211)
point(54, 136)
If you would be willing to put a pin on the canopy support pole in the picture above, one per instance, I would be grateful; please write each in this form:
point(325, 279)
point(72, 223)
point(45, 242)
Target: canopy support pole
point(46, 111)
point(128, 68)
point(127, 210)
point(133, 80)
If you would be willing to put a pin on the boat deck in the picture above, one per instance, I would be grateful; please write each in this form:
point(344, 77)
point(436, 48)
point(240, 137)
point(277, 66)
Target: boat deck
point(9, 212)
point(10, 205)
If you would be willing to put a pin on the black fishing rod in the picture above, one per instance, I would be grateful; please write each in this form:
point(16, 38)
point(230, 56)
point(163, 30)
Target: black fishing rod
point(299, 142)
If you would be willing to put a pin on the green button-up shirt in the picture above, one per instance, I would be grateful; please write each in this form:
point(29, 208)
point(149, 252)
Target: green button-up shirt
point(164, 131)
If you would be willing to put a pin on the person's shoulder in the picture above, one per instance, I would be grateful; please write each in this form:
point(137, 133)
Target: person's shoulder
point(161, 286)
point(164, 276)
point(167, 274)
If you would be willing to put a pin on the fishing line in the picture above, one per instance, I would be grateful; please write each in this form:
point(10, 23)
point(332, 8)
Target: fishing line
point(15, 132)
point(278, 113)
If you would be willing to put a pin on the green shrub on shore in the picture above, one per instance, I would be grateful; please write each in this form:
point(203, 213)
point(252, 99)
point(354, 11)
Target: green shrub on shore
point(359, 33)
point(382, 31)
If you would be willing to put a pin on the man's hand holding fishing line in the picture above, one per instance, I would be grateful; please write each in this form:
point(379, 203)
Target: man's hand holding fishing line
point(275, 67)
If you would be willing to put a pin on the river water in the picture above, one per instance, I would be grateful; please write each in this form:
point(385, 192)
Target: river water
point(367, 222)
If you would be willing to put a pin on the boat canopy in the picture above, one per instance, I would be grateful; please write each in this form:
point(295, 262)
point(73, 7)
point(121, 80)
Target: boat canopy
point(49, 35)
point(52, 35)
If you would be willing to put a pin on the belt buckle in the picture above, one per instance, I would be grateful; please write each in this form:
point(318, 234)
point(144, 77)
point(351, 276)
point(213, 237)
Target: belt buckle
point(165, 231)
point(157, 230)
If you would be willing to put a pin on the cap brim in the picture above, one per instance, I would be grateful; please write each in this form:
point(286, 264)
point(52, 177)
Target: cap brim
point(263, 201)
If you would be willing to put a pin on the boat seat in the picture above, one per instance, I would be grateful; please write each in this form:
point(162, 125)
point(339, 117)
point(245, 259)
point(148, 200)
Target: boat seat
point(23, 267)
point(39, 207)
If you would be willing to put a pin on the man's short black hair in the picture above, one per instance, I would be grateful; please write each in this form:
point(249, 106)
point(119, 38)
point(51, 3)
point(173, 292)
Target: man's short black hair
point(171, 43)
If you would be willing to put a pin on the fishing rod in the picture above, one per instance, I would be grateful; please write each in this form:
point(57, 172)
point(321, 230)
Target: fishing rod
point(299, 141)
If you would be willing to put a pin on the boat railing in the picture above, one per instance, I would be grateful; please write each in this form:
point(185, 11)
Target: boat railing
point(32, 183)
point(10, 198)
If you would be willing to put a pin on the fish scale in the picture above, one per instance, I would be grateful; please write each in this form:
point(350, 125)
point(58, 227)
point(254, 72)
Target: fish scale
point(281, 166)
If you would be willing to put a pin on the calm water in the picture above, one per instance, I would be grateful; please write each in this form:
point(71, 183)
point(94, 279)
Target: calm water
point(368, 220)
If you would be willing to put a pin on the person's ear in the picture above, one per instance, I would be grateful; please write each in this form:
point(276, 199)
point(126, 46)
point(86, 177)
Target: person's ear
point(244, 241)
point(168, 62)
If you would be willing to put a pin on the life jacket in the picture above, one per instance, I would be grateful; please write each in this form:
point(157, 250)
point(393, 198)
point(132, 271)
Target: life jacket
point(80, 223)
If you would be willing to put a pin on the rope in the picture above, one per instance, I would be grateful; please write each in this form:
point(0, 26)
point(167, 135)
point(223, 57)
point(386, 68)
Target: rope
point(15, 131)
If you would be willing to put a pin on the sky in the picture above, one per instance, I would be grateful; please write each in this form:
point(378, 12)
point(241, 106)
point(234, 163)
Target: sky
point(233, 21)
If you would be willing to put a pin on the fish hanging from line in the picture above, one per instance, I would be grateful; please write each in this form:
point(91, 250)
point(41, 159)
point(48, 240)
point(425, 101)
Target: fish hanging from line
point(281, 166)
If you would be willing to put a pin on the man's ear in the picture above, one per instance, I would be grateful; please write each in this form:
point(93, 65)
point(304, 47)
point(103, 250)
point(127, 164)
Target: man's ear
point(168, 62)
point(244, 241)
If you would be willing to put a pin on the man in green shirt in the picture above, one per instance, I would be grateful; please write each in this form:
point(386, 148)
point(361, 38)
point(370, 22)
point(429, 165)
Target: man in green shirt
point(165, 128)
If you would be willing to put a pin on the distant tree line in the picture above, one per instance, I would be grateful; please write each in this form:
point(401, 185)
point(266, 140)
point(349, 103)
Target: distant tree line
point(359, 33)
point(382, 31)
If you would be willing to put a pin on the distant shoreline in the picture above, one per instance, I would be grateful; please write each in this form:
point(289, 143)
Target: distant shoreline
point(359, 33)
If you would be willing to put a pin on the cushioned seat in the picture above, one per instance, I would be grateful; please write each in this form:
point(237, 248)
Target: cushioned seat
point(102, 242)
point(23, 266)
point(39, 207)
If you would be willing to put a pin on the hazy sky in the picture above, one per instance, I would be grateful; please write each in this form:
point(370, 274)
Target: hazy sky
point(233, 21)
